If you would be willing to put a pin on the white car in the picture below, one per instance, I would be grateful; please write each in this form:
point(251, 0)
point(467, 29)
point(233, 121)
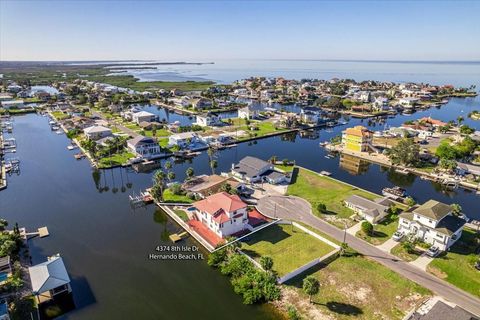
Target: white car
point(433, 251)
point(397, 236)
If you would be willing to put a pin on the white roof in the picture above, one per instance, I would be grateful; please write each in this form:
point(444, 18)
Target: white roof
point(94, 129)
point(48, 275)
point(183, 135)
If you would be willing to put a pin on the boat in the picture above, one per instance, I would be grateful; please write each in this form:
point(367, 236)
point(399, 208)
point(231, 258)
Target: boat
point(329, 156)
point(59, 132)
point(325, 173)
point(402, 171)
point(79, 156)
point(394, 193)
point(323, 144)
point(72, 147)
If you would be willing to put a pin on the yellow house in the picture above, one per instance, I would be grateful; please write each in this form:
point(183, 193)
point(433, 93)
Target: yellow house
point(357, 138)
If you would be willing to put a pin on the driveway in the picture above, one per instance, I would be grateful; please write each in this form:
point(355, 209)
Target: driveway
point(422, 262)
point(388, 245)
point(355, 228)
point(300, 210)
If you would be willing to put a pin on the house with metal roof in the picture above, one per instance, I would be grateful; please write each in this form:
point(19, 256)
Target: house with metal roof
point(49, 279)
point(371, 210)
point(433, 222)
point(97, 132)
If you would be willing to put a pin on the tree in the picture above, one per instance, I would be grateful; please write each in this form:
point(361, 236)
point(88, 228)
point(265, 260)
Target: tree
point(266, 263)
point(466, 130)
point(292, 313)
point(406, 152)
point(446, 151)
point(409, 201)
point(171, 175)
point(367, 227)
point(408, 246)
point(3, 224)
point(310, 286)
point(168, 165)
point(213, 165)
point(217, 257)
point(447, 164)
point(460, 120)
point(190, 172)
point(456, 209)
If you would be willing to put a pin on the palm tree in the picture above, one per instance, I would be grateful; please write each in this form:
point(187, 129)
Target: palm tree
point(171, 176)
point(311, 286)
point(189, 173)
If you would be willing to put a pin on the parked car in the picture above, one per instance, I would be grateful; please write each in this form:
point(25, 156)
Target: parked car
point(397, 236)
point(433, 251)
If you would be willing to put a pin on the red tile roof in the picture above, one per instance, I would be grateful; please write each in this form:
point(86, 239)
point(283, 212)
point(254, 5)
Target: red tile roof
point(220, 217)
point(207, 234)
point(222, 200)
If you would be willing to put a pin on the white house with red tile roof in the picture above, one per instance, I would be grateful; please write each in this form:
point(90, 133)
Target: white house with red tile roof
point(223, 213)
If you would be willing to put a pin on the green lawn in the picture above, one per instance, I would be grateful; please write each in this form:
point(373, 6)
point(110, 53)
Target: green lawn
point(115, 160)
point(168, 196)
point(383, 230)
point(354, 287)
point(159, 133)
point(284, 168)
point(457, 266)
point(59, 115)
point(288, 246)
point(319, 189)
point(400, 252)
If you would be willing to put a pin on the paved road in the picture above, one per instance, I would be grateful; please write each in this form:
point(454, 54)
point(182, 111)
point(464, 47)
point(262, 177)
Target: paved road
point(296, 210)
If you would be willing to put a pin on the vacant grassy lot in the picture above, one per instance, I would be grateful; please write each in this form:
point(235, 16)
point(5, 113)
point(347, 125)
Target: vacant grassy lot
point(115, 160)
point(168, 196)
point(319, 189)
point(59, 115)
point(457, 266)
point(382, 231)
point(289, 247)
point(356, 287)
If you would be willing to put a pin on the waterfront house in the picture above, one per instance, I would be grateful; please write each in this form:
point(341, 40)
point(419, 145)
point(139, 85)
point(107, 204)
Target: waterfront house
point(222, 213)
point(408, 102)
point(5, 97)
point(206, 185)
point(310, 115)
point(14, 88)
point(49, 279)
point(247, 112)
point(144, 147)
point(380, 104)
point(467, 168)
point(251, 169)
point(97, 132)
point(183, 139)
point(357, 138)
point(209, 119)
point(143, 116)
point(201, 103)
point(373, 211)
point(433, 222)
point(12, 104)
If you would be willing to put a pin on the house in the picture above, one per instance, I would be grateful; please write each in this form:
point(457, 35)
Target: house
point(13, 104)
point(380, 104)
point(183, 139)
point(97, 132)
point(144, 147)
point(310, 115)
point(433, 223)
point(467, 168)
point(5, 269)
point(357, 138)
point(208, 119)
point(247, 112)
point(49, 279)
point(204, 185)
point(5, 97)
point(222, 213)
point(201, 103)
point(372, 211)
point(432, 122)
point(143, 116)
point(440, 310)
point(408, 102)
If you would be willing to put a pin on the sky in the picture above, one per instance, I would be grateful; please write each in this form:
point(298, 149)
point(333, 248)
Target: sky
point(212, 30)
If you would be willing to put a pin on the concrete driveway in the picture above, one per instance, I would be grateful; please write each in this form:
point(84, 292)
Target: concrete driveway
point(355, 228)
point(422, 262)
point(387, 245)
point(286, 207)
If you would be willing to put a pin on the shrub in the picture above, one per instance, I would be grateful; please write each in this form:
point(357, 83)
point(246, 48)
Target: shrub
point(367, 227)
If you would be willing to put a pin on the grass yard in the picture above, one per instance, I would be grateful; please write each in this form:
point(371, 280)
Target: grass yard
point(284, 168)
point(181, 214)
point(355, 287)
point(115, 160)
point(382, 231)
point(319, 189)
point(288, 246)
point(59, 115)
point(400, 252)
point(168, 196)
point(457, 266)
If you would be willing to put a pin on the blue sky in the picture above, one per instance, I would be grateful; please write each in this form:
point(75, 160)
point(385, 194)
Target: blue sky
point(183, 30)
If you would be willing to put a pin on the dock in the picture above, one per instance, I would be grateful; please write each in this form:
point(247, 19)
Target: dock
point(41, 232)
point(178, 236)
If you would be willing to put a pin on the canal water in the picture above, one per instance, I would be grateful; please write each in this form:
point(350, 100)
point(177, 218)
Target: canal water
point(104, 243)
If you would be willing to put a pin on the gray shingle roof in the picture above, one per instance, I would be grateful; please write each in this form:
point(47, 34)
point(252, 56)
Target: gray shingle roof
point(433, 209)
